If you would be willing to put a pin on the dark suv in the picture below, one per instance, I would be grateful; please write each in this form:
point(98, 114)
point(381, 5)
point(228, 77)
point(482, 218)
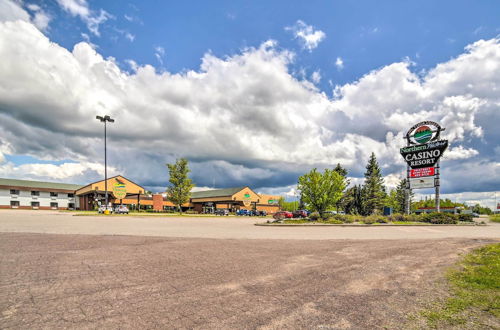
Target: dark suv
point(300, 214)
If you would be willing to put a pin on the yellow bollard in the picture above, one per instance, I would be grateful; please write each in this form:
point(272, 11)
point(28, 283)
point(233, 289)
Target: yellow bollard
point(106, 212)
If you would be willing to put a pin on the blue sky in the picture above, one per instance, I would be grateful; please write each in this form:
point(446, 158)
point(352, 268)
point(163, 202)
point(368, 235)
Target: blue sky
point(364, 34)
point(251, 92)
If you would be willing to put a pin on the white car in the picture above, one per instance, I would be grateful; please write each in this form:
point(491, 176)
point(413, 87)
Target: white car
point(121, 209)
point(102, 208)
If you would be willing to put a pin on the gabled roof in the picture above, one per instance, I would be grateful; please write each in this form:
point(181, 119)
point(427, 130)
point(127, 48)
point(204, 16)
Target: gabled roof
point(113, 177)
point(39, 184)
point(216, 192)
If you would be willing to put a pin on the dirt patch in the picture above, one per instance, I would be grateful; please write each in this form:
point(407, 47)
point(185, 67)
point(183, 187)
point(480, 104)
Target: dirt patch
point(78, 281)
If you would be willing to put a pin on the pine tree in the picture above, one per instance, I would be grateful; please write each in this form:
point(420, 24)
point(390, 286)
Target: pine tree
point(343, 172)
point(179, 191)
point(400, 197)
point(352, 202)
point(373, 189)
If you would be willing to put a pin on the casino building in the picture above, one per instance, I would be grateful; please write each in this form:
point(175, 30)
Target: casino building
point(25, 194)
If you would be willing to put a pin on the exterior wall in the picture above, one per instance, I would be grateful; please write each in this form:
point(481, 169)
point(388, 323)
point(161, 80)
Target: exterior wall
point(240, 196)
point(158, 202)
point(25, 198)
point(270, 209)
point(131, 187)
point(212, 199)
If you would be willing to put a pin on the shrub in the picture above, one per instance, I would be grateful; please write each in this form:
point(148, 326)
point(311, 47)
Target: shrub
point(333, 220)
point(349, 218)
point(465, 217)
point(439, 218)
point(314, 216)
point(340, 217)
point(382, 219)
point(369, 220)
point(397, 217)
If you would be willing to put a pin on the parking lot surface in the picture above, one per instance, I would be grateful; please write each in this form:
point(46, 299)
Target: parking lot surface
point(218, 227)
point(79, 281)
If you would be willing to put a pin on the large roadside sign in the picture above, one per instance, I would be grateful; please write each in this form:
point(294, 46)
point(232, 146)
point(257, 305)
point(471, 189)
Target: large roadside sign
point(421, 183)
point(422, 172)
point(424, 155)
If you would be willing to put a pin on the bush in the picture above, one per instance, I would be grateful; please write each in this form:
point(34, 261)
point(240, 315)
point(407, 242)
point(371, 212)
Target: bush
point(465, 217)
point(314, 216)
point(340, 217)
point(397, 217)
point(439, 218)
point(349, 218)
point(333, 220)
point(369, 220)
point(382, 219)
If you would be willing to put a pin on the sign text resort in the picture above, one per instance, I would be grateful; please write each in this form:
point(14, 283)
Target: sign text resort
point(422, 153)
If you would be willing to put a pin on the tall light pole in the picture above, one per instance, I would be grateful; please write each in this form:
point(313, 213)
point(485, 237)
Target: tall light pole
point(104, 120)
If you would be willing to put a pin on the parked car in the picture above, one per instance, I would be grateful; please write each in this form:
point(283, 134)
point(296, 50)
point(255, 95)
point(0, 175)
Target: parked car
point(103, 208)
point(121, 209)
point(262, 213)
point(300, 214)
point(243, 212)
point(283, 215)
point(222, 212)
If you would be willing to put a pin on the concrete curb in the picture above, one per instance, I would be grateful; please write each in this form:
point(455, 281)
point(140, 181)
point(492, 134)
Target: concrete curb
point(362, 225)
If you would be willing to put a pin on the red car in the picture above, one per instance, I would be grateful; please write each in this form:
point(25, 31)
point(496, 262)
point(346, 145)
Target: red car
point(283, 215)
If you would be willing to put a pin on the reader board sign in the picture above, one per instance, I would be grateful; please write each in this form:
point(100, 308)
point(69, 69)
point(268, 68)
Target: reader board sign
point(424, 155)
point(421, 183)
point(421, 172)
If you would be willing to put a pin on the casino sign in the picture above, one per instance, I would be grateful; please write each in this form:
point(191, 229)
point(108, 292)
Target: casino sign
point(424, 147)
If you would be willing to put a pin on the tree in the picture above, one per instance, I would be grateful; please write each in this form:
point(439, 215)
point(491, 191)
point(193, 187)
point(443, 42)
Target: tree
point(397, 197)
point(180, 187)
point(352, 201)
point(321, 191)
point(373, 189)
point(343, 172)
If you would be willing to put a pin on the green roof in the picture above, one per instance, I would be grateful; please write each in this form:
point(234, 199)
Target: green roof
point(216, 192)
point(38, 184)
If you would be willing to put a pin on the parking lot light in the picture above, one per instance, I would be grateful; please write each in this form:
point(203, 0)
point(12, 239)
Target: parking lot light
point(105, 119)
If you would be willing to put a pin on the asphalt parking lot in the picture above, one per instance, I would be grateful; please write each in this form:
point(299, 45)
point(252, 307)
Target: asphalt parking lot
point(76, 280)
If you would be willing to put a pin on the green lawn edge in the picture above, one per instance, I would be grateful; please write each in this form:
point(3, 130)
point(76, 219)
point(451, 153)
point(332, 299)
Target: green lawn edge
point(474, 301)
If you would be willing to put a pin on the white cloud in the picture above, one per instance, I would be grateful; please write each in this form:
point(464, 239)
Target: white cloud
point(81, 9)
point(307, 35)
point(339, 63)
point(12, 11)
point(316, 77)
point(242, 119)
point(159, 53)
point(130, 36)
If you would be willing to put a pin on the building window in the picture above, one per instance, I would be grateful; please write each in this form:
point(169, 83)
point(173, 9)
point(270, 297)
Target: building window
point(70, 195)
point(14, 192)
point(35, 205)
point(14, 204)
point(53, 194)
point(53, 206)
point(35, 193)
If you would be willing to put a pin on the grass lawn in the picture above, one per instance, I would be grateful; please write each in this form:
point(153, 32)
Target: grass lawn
point(495, 218)
point(474, 302)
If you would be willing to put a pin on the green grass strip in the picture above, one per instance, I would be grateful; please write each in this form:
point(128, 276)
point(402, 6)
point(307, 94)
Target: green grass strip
point(475, 292)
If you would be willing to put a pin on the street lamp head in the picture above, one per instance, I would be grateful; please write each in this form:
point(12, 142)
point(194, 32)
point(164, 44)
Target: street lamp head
point(105, 118)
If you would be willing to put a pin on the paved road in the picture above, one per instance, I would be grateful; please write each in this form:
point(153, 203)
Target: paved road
point(130, 282)
point(228, 227)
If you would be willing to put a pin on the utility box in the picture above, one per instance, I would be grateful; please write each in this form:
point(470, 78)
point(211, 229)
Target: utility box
point(387, 210)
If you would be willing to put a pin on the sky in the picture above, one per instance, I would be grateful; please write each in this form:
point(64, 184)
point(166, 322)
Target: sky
point(252, 92)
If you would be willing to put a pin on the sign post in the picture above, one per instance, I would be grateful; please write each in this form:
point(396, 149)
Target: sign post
point(422, 154)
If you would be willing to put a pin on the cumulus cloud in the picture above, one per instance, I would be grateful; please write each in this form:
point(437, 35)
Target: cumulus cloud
point(243, 119)
point(81, 9)
point(306, 34)
point(339, 63)
point(12, 11)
